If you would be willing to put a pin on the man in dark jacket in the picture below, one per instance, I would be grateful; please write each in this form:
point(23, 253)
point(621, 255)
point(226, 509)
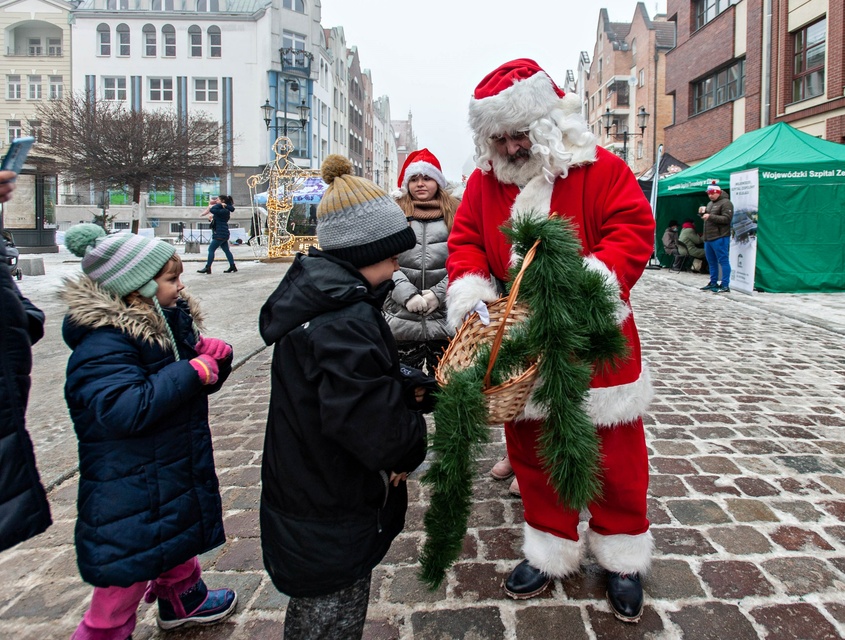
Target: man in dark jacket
point(717, 217)
point(342, 432)
point(24, 511)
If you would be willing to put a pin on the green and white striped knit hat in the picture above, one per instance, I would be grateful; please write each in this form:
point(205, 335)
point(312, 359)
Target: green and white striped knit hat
point(120, 263)
point(356, 220)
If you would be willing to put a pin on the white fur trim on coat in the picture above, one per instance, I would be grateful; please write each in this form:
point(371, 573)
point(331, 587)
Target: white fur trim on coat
point(534, 201)
point(464, 293)
point(612, 406)
point(515, 107)
point(622, 553)
point(425, 169)
point(606, 406)
point(622, 310)
point(555, 557)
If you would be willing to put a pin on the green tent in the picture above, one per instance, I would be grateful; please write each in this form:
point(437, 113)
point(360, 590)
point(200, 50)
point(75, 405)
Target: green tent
point(801, 225)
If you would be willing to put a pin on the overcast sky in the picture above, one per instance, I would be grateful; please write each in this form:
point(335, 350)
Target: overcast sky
point(429, 56)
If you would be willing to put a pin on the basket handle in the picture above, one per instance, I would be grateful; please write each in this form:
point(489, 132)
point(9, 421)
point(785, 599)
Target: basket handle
point(500, 333)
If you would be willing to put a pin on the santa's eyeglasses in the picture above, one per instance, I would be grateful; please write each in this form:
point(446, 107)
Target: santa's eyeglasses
point(513, 136)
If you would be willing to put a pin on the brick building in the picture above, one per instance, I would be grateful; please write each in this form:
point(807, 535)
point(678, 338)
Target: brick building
point(740, 65)
point(625, 77)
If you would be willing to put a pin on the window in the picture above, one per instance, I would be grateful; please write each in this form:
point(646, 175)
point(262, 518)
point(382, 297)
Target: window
point(808, 66)
point(35, 92)
point(104, 39)
point(215, 43)
point(639, 149)
point(15, 130)
point(114, 88)
point(641, 80)
point(118, 198)
point(204, 190)
point(204, 6)
point(35, 47)
point(54, 47)
point(175, 227)
point(36, 130)
point(205, 89)
point(56, 88)
point(155, 5)
point(168, 36)
point(111, 5)
point(164, 195)
point(124, 5)
point(149, 41)
point(706, 10)
point(195, 41)
point(723, 86)
point(294, 5)
point(208, 132)
point(13, 87)
point(291, 40)
point(122, 40)
point(161, 89)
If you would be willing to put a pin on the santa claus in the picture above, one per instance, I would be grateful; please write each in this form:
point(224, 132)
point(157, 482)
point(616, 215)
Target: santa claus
point(536, 156)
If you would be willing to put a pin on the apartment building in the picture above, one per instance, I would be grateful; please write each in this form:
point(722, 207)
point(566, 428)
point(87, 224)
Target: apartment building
point(624, 82)
point(740, 65)
point(35, 38)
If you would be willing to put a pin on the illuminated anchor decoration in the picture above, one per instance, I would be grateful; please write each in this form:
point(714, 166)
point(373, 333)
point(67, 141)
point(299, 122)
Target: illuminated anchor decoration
point(283, 178)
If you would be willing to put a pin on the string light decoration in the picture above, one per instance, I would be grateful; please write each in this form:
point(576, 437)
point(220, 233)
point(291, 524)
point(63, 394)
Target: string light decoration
point(283, 177)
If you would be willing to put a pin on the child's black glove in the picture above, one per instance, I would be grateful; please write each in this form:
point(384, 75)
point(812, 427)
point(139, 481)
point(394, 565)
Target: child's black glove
point(413, 380)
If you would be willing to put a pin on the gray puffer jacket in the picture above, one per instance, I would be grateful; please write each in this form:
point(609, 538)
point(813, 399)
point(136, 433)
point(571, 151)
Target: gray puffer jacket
point(420, 268)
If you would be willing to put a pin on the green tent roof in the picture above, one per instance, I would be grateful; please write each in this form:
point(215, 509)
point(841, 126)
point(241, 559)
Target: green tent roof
point(781, 152)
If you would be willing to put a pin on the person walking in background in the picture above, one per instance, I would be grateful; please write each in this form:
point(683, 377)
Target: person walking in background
point(218, 212)
point(717, 216)
point(137, 388)
point(24, 510)
point(670, 245)
point(416, 309)
point(344, 427)
point(694, 245)
point(536, 156)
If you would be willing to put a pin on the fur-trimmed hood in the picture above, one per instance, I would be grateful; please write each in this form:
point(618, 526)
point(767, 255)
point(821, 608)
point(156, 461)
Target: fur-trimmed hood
point(91, 307)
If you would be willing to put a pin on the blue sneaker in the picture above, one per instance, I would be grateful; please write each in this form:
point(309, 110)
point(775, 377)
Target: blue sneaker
point(202, 606)
point(722, 290)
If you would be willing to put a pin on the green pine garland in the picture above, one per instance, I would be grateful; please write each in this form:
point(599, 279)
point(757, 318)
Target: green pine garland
point(571, 329)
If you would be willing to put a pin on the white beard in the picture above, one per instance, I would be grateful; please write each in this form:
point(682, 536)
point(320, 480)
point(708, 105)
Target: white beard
point(519, 174)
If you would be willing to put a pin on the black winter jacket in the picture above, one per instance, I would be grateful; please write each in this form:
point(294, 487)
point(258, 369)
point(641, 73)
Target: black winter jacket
point(220, 221)
point(24, 511)
point(339, 423)
point(148, 494)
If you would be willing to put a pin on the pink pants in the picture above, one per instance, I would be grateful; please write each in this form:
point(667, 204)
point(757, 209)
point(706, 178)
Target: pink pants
point(111, 615)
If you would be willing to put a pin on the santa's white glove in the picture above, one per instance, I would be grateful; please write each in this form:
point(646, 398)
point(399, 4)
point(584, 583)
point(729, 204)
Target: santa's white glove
point(431, 300)
point(483, 314)
point(416, 304)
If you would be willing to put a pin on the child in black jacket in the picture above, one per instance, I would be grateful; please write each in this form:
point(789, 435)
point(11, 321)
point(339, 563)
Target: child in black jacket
point(344, 427)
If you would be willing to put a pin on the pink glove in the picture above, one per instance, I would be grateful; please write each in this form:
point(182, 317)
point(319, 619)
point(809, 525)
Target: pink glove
point(206, 368)
point(213, 347)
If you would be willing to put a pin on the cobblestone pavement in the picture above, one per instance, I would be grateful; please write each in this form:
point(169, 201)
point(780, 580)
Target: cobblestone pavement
point(747, 502)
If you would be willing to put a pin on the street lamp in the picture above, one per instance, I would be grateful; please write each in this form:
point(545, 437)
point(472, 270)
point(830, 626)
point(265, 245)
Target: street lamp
point(368, 163)
point(386, 168)
point(268, 109)
point(642, 122)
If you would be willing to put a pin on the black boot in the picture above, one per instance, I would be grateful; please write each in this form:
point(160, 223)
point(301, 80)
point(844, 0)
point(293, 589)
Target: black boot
point(205, 269)
point(526, 582)
point(625, 595)
point(231, 269)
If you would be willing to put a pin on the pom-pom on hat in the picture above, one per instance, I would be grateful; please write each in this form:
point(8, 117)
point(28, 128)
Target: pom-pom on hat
point(120, 263)
point(513, 96)
point(713, 187)
point(356, 220)
point(421, 162)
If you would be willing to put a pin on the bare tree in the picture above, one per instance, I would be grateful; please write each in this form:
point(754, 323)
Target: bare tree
point(113, 146)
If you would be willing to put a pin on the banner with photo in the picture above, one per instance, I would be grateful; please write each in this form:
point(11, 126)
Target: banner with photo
point(745, 191)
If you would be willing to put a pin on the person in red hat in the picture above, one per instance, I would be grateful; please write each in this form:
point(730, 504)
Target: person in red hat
point(717, 216)
point(416, 309)
point(536, 156)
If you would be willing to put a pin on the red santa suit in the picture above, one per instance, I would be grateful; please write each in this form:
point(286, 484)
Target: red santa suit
point(614, 224)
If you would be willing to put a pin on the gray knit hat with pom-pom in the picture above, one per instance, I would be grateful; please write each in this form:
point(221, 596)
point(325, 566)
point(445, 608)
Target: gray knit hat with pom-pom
point(120, 263)
point(356, 220)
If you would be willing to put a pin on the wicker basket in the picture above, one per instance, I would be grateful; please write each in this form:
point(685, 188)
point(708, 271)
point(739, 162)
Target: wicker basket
point(507, 400)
